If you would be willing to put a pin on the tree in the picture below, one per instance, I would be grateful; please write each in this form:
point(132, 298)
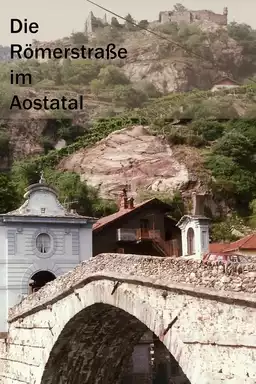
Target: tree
point(252, 207)
point(148, 88)
point(222, 231)
point(246, 37)
point(80, 71)
point(79, 38)
point(4, 144)
point(24, 174)
point(79, 196)
point(115, 23)
point(209, 130)
point(111, 75)
point(9, 199)
point(96, 86)
point(129, 23)
point(128, 96)
point(143, 24)
point(236, 146)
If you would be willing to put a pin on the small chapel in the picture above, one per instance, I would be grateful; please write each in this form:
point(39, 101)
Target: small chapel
point(195, 229)
point(39, 241)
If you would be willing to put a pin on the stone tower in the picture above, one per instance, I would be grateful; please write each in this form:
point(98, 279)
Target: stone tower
point(225, 14)
point(89, 23)
point(225, 11)
point(38, 242)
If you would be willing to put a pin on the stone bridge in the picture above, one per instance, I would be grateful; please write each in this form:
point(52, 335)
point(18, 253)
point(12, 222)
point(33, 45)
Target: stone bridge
point(82, 327)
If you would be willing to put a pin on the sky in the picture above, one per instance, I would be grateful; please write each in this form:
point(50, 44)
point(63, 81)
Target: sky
point(59, 18)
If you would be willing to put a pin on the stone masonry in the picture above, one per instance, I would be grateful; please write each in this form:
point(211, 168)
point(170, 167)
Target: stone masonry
point(189, 16)
point(82, 327)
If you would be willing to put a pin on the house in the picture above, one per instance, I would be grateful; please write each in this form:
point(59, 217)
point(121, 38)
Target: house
point(38, 242)
point(224, 83)
point(245, 246)
point(143, 229)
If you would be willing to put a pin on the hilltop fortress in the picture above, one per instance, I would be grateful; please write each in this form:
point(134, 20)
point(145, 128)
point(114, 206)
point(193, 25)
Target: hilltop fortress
point(177, 16)
point(193, 16)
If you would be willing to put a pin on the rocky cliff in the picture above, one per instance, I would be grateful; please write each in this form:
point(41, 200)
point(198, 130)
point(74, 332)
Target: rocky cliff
point(134, 157)
point(172, 69)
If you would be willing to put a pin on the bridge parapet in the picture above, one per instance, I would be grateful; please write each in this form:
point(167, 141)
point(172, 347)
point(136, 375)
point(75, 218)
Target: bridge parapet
point(236, 282)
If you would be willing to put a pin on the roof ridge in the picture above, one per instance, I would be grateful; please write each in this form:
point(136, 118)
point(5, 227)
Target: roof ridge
point(247, 238)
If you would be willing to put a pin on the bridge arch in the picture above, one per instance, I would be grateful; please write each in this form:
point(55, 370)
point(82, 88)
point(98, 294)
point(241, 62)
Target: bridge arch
point(96, 330)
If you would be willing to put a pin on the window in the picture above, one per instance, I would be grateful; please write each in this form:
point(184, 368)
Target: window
point(43, 243)
point(144, 224)
point(204, 239)
point(190, 241)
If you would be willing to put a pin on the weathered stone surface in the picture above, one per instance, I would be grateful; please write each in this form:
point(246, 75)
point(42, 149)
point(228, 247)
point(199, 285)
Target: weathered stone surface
point(164, 271)
point(79, 330)
point(130, 155)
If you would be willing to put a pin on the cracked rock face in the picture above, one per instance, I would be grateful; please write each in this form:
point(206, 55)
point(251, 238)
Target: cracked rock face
point(130, 156)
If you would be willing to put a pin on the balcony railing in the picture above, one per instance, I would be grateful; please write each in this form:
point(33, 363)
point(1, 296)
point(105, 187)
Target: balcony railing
point(125, 234)
point(168, 248)
point(143, 234)
point(129, 234)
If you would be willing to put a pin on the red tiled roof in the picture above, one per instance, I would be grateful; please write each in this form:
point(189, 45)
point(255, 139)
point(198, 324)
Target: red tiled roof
point(247, 242)
point(122, 212)
point(217, 247)
point(219, 80)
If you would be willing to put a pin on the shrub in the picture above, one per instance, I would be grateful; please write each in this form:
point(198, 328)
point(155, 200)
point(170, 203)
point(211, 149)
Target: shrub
point(176, 139)
point(195, 141)
point(148, 88)
point(236, 146)
point(209, 130)
point(79, 38)
point(129, 96)
point(143, 24)
point(112, 75)
point(47, 144)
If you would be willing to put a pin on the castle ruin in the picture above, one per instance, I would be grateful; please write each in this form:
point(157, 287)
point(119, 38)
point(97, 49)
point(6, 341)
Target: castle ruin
point(189, 17)
point(93, 23)
point(177, 16)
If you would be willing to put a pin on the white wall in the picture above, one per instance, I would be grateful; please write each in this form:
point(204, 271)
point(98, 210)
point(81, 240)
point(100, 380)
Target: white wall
point(85, 243)
point(223, 86)
point(201, 236)
point(71, 245)
point(3, 280)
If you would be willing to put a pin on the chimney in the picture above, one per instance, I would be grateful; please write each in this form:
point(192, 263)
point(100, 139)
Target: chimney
point(198, 204)
point(131, 203)
point(123, 204)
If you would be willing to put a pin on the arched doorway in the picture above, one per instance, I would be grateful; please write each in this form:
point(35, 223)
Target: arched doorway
point(39, 279)
point(190, 241)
